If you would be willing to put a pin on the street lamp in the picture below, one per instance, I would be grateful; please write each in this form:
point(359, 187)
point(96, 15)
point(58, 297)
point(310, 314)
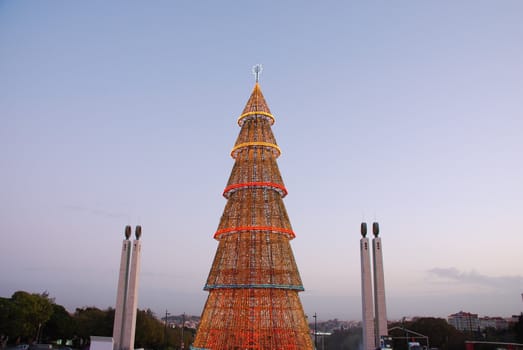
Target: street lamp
point(38, 333)
point(165, 333)
point(315, 333)
point(183, 326)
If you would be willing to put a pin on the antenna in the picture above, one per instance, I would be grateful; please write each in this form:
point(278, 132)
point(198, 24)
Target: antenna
point(256, 70)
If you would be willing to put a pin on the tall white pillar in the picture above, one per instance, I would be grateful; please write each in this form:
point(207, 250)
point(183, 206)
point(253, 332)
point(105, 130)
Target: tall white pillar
point(367, 311)
point(379, 286)
point(121, 292)
point(132, 294)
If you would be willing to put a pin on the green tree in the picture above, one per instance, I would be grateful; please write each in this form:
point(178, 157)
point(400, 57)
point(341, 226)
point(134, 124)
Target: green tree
point(29, 313)
point(342, 339)
point(5, 323)
point(149, 330)
point(93, 321)
point(440, 333)
point(61, 325)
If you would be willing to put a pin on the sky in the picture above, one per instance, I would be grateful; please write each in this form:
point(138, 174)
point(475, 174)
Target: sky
point(409, 113)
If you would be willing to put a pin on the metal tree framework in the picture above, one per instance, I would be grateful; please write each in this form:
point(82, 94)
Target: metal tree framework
point(254, 282)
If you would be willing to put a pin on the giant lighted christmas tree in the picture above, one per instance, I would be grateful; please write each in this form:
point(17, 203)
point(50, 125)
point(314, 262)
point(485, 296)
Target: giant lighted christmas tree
point(253, 284)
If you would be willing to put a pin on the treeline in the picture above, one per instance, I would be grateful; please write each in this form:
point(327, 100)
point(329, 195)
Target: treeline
point(441, 335)
point(28, 318)
point(35, 318)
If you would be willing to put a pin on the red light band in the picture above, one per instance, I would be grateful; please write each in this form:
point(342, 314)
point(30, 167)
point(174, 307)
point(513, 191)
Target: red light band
point(286, 231)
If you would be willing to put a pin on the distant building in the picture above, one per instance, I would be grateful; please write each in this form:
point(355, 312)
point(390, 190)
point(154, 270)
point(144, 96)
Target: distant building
point(464, 321)
point(176, 321)
point(497, 323)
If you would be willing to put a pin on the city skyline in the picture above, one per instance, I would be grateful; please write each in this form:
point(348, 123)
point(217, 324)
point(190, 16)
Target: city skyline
point(408, 114)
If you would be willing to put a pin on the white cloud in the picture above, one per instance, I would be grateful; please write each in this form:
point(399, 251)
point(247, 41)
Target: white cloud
point(474, 278)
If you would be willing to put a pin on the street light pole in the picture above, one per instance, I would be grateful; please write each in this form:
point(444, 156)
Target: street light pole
point(183, 326)
point(165, 332)
point(38, 333)
point(315, 333)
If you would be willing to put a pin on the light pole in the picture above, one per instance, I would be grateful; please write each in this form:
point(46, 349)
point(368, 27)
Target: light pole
point(165, 333)
point(183, 326)
point(315, 333)
point(38, 333)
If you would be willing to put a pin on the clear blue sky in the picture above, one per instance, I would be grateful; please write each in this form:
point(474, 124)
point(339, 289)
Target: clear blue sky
point(405, 112)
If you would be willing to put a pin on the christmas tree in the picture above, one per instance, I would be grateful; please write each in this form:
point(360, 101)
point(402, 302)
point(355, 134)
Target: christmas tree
point(253, 284)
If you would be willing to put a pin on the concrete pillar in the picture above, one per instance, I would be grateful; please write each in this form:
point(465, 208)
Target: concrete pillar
point(121, 292)
point(380, 313)
point(132, 298)
point(366, 297)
